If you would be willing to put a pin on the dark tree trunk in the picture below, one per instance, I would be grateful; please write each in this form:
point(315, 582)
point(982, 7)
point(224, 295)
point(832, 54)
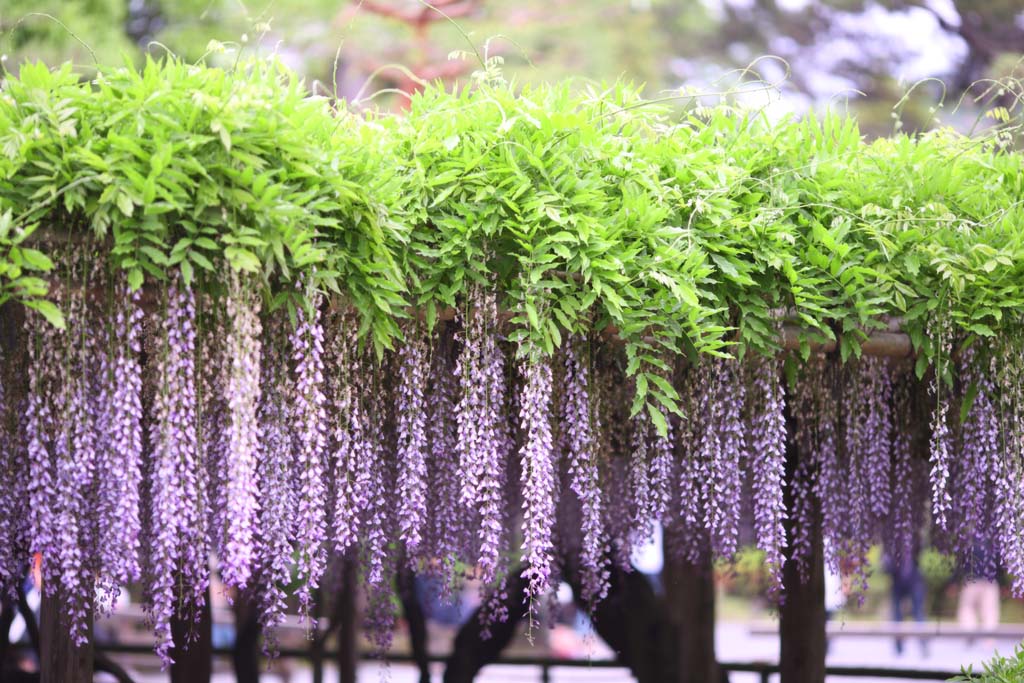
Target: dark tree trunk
point(802, 614)
point(193, 647)
point(60, 660)
point(345, 610)
point(690, 596)
point(246, 654)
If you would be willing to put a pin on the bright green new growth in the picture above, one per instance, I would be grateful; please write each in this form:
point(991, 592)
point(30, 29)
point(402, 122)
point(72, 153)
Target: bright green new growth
point(586, 210)
point(997, 670)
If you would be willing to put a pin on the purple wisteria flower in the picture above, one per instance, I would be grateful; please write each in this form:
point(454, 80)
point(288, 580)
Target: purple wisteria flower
point(974, 524)
point(309, 441)
point(483, 441)
point(768, 465)
point(721, 450)
point(578, 417)
point(122, 469)
point(412, 444)
point(447, 527)
point(175, 485)
point(276, 489)
point(539, 478)
point(1008, 372)
point(242, 395)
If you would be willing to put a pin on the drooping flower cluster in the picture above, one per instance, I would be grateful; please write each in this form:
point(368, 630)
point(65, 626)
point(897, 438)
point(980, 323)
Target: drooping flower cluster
point(276, 486)
point(412, 444)
point(238, 434)
point(721, 452)
point(176, 473)
point(768, 465)
point(539, 479)
point(309, 424)
point(577, 420)
point(941, 440)
point(483, 441)
point(240, 484)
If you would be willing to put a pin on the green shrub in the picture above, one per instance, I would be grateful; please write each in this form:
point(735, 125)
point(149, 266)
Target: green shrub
point(997, 670)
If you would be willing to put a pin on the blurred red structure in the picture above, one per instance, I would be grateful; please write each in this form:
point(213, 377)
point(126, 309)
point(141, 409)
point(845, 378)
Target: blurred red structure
point(428, 63)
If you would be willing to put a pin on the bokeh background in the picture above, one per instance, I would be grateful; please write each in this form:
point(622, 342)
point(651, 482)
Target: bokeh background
point(864, 54)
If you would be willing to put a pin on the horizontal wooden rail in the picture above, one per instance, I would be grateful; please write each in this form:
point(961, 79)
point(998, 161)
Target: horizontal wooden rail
point(899, 629)
point(764, 669)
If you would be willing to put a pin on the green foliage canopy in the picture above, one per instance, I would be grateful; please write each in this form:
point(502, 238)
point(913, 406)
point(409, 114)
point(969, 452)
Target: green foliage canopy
point(586, 209)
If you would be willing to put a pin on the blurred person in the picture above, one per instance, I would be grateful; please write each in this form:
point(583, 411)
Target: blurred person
point(978, 604)
point(908, 585)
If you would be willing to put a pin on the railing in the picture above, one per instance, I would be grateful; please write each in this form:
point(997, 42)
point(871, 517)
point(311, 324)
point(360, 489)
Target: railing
point(764, 670)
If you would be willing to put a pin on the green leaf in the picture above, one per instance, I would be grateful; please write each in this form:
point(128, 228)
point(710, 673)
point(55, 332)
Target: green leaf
point(49, 311)
point(658, 418)
point(36, 259)
point(135, 278)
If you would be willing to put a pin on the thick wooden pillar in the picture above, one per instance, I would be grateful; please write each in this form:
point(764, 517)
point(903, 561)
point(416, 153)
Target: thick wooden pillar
point(802, 614)
point(690, 597)
point(318, 642)
point(246, 654)
point(193, 647)
point(60, 660)
point(346, 610)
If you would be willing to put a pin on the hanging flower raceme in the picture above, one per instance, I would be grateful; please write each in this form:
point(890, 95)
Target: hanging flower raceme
point(378, 524)
point(482, 430)
point(412, 443)
point(349, 432)
point(876, 436)
point(721, 451)
point(687, 536)
point(276, 488)
point(977, 467)
point(860, 469)
point(539, 478)
point(768, 466)
point(906, 516)
point(176, 471)
point(577, 418)
point(1008, 371)
point(448, 529)
point(41, 431)
point(242, 395)
point(941, 447)
point(815, 476)
point(121, 466)
point(309, 441)
point(641, 490)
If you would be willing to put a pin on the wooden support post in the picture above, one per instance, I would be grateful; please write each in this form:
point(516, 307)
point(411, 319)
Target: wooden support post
point(318, 641)
point(802, 614)
point(346, 611)
point(246, 654)
point(193, 647)
point(690, 596)
point(60, 660)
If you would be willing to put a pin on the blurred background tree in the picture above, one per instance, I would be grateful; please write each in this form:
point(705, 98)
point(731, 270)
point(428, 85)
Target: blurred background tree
point(866, 52)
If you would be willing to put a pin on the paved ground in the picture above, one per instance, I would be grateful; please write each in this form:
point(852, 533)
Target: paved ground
point(734, 642)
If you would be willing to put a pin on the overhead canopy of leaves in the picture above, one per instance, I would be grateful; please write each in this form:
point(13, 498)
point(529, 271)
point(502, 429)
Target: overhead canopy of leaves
point(586, 209)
